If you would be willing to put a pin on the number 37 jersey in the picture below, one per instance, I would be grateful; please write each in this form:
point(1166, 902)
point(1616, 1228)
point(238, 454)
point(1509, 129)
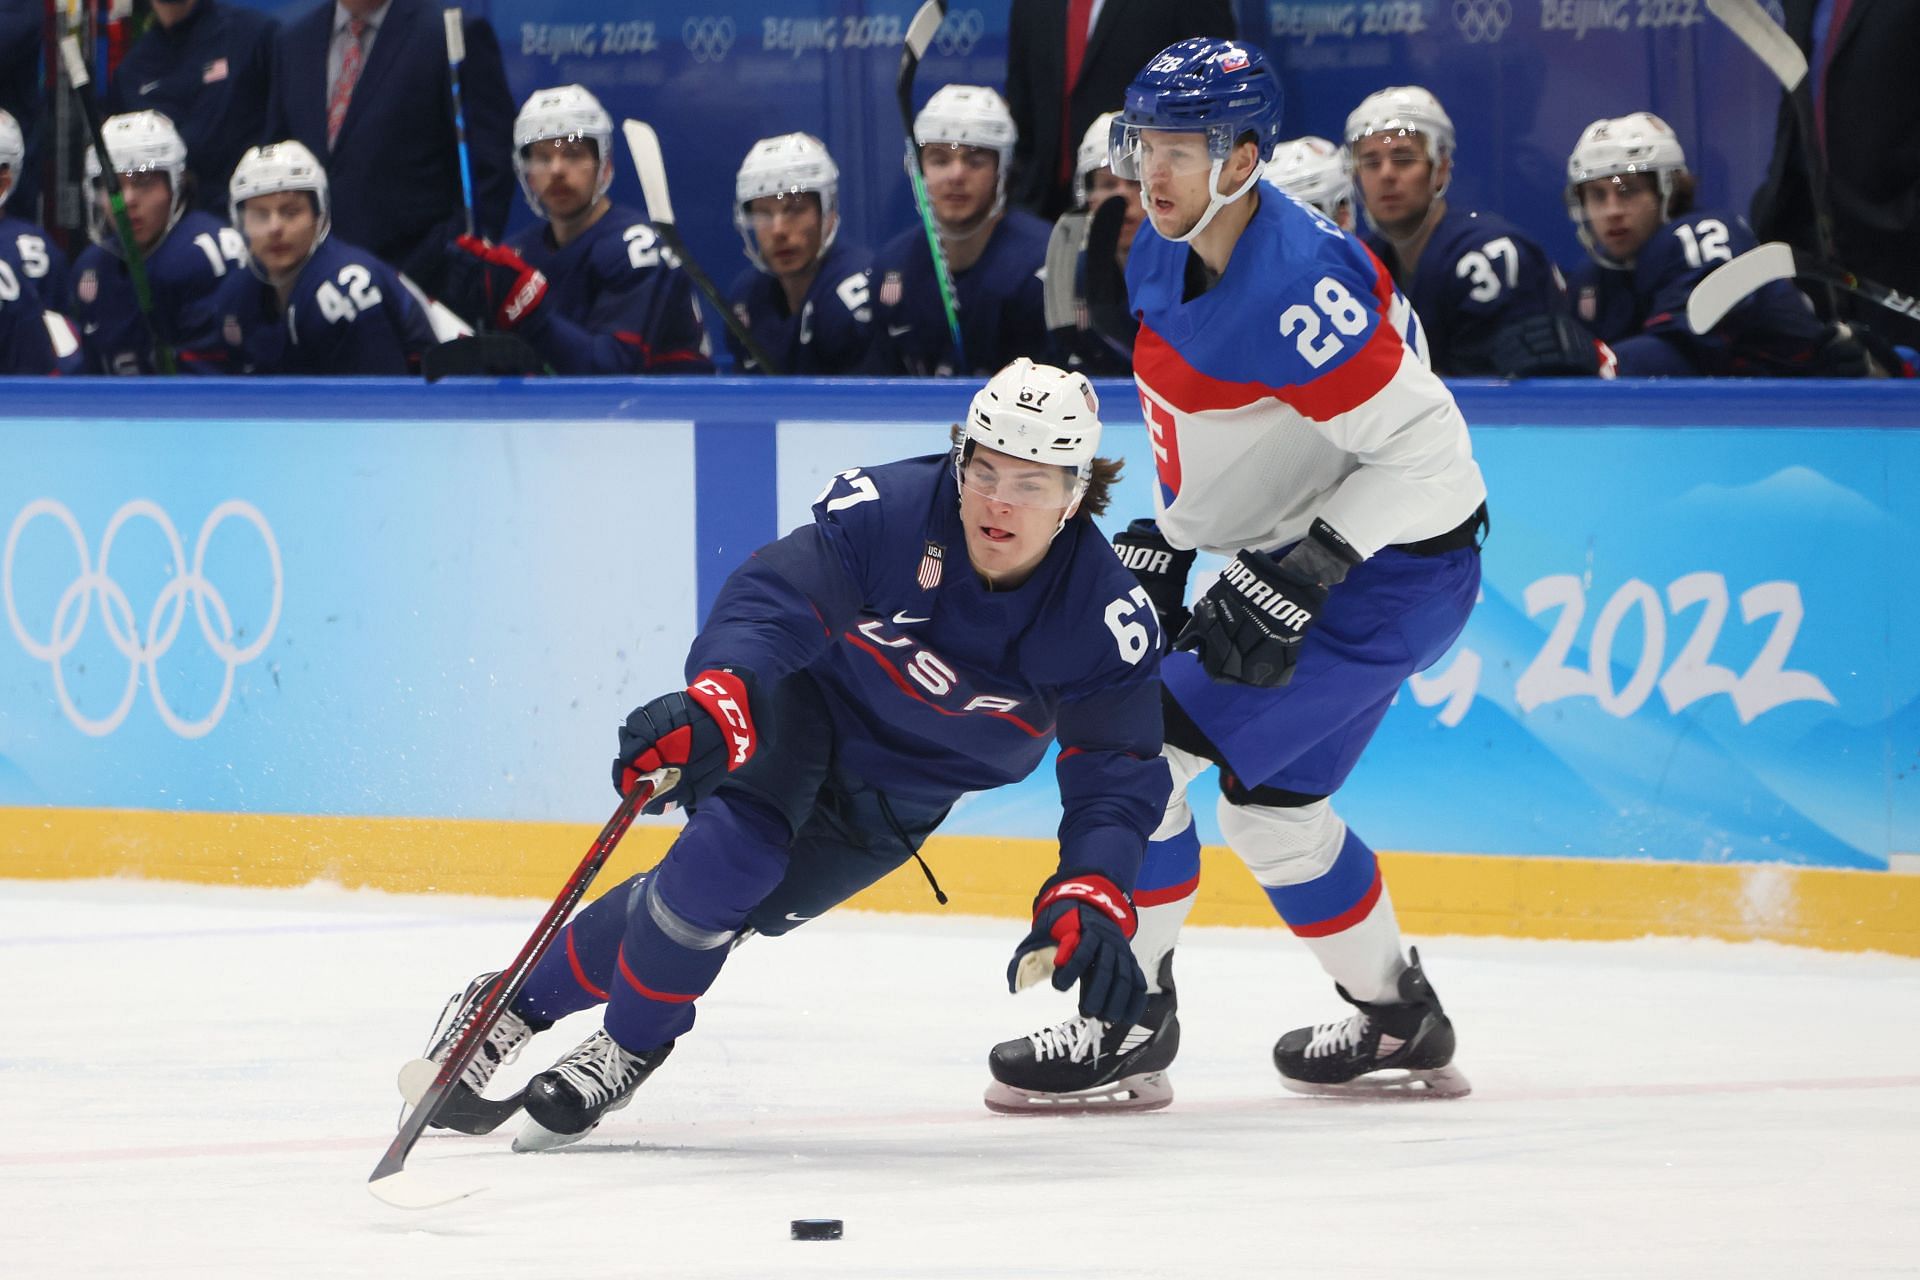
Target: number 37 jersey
point(1295, 387)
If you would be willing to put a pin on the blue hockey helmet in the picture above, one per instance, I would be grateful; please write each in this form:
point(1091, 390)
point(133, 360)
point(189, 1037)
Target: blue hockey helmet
point(1221, 88)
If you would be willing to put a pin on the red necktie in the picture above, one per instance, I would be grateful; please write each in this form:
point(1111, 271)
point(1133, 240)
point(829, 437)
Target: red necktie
point(1836, 23)
point(1078, 12)
point(349, 76)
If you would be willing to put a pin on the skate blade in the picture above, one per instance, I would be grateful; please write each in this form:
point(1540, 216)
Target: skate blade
point(1148, 1092)
point(1389, 1086)
point(534, 1136)
point(462, 1110)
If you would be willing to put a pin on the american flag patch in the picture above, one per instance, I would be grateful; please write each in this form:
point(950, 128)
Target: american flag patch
point(930, 561)
point(214, 71)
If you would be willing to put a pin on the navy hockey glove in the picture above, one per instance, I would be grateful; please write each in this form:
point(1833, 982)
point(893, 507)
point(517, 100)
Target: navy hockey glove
point(1248, 626)
point(705, 731)
point(1082, 924)
point(513, 288)
point(1162, 572)
point(1549, 345)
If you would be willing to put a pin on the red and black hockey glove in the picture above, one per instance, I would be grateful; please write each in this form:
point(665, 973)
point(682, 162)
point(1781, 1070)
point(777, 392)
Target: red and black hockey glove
point(1082, 925)
point(513, 287)
point(705, 731)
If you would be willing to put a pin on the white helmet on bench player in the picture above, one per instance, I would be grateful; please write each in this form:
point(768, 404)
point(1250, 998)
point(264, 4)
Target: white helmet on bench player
point(137, 142)
point(1639, 143)
point(1313, 171)
point(566, 111)
point(787, 165)
point(276, 167)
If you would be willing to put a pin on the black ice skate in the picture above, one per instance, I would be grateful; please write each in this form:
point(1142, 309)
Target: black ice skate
point(1084, 1064)
point(1385, 1050)
point(567, 1100)
point(463, 1109)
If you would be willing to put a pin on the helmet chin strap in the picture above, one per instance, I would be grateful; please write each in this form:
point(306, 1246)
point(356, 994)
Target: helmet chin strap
point(1215, 201)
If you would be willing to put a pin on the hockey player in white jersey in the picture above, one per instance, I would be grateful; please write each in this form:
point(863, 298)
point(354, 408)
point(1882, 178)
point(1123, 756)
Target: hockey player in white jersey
point(1297, 430)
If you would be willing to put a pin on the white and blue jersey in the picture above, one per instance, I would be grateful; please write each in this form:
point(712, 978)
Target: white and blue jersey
point(1477, 275)
point(617, 301)
point(833, 328)
point(347, 313)
point(185, 272)
point(33, 257)
point(1642, 312)
point(1002, 308)
point(937, 686)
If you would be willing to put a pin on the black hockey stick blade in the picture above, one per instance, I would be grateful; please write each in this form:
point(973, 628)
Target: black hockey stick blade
point(462, 1110)
point(1728, 285)
point(1760, 33)
point(1106, 283)
point(1065, 309)
point(643, 144)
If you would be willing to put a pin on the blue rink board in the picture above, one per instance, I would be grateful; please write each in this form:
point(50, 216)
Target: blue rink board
point(1693, 643)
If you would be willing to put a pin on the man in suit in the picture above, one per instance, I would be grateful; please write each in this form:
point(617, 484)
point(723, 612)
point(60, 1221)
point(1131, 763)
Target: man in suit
point(1096, 47)
point(1867, 116)
point(364, 84)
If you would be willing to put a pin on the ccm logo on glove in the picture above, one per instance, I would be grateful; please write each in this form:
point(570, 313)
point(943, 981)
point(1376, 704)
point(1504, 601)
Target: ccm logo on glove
point(725, 699)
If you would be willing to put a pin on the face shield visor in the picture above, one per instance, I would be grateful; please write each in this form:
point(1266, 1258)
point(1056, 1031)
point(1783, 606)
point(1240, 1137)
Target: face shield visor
point(1013, 482)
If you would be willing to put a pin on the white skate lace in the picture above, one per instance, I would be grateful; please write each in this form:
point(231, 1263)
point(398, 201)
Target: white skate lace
point(1337, 1037)
point(508, 1035)
point(598, 1070)
point(1077, 1039)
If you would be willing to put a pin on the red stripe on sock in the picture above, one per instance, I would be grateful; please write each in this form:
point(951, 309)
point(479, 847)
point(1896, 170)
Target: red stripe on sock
point(579, 974)
point(1346, 919)
point(668, 996)
point(1160, 897)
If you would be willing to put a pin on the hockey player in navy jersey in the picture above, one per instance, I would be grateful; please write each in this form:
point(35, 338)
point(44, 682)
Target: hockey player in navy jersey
point(591, 288)
point(26, 342)
point(1316, 172)
point(187, 254)
point(965, 137)
point(808, 301)
point(1491, 301)
point(935, 628)
point(1297, 430)
point(308, 302)
point(1629, 192)
point(23, 245)
point(1103, 350)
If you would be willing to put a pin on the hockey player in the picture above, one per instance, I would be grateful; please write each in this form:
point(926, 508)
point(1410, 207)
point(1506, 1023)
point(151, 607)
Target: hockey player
point(1630, 195)
point(1095, 183)
point(939, 623)
point(309, 303)
point(23, 245)
point(808, 299)
point(187, 254)
point(1491, 301)
point(591, 287)
point(33, 281)
point(1100, 345)
point(965, 138)
point(1296, 430)
point(1316, 172)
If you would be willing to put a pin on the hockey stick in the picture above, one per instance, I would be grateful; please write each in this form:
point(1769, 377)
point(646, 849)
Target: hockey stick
point(644, 145)
point(390, 1181)
point(920, 32)
point(1723, 289)
point(79, 79)
point(456, 55)
point(1063, 304)
point(1773, 46)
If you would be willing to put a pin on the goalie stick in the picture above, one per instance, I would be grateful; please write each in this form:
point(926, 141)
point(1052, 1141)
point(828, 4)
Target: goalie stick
point(1728, 284)
point(391, 1181)
point(920, 32)
point(644, 145)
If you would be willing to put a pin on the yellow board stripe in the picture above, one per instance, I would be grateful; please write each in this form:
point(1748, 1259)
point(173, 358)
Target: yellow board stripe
point(1434, 893)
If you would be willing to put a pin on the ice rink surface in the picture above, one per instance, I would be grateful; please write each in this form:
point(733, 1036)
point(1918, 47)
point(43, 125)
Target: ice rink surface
point(198, 1081)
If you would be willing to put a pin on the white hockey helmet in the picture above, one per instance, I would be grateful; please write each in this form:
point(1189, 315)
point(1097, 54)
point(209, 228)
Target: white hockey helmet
point(276, 167)
point(787, 165)
point(970, 115)
point(566, 111)
point(137, 142)
point(1035, 411)
point(13, 150)
point(1404, 108)
point(1094, 154)
point(1313, 171)
point(1639, 143)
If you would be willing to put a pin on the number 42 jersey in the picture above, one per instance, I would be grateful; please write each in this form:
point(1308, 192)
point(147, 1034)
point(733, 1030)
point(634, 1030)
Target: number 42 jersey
point(1295, 387)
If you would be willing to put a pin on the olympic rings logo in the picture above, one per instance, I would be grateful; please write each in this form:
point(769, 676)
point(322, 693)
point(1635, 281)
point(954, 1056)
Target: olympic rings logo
point(1482, 21)
point(959, 33)
point(210, 609)
point(707, 38)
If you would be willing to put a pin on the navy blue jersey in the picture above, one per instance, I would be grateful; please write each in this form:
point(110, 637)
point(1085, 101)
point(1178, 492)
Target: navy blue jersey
point(938, 686)
point(347, 312)
point(26, 248)
point(617, 302)
point(185, 271)
point(1002, 306)
point(1642, 313)
point(26, 345)
point(835, 325)
point(1478, 274)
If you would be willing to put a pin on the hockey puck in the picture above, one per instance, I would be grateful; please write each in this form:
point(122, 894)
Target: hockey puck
point(817, 1228)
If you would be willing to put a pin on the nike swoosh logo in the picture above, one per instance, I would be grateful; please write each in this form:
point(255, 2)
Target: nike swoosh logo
point(901, 619)
point(798, 919)
point(149, 87)
point(895, 330)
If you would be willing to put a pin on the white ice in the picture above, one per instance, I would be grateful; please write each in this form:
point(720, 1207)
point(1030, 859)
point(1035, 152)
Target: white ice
point(198, 1081)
